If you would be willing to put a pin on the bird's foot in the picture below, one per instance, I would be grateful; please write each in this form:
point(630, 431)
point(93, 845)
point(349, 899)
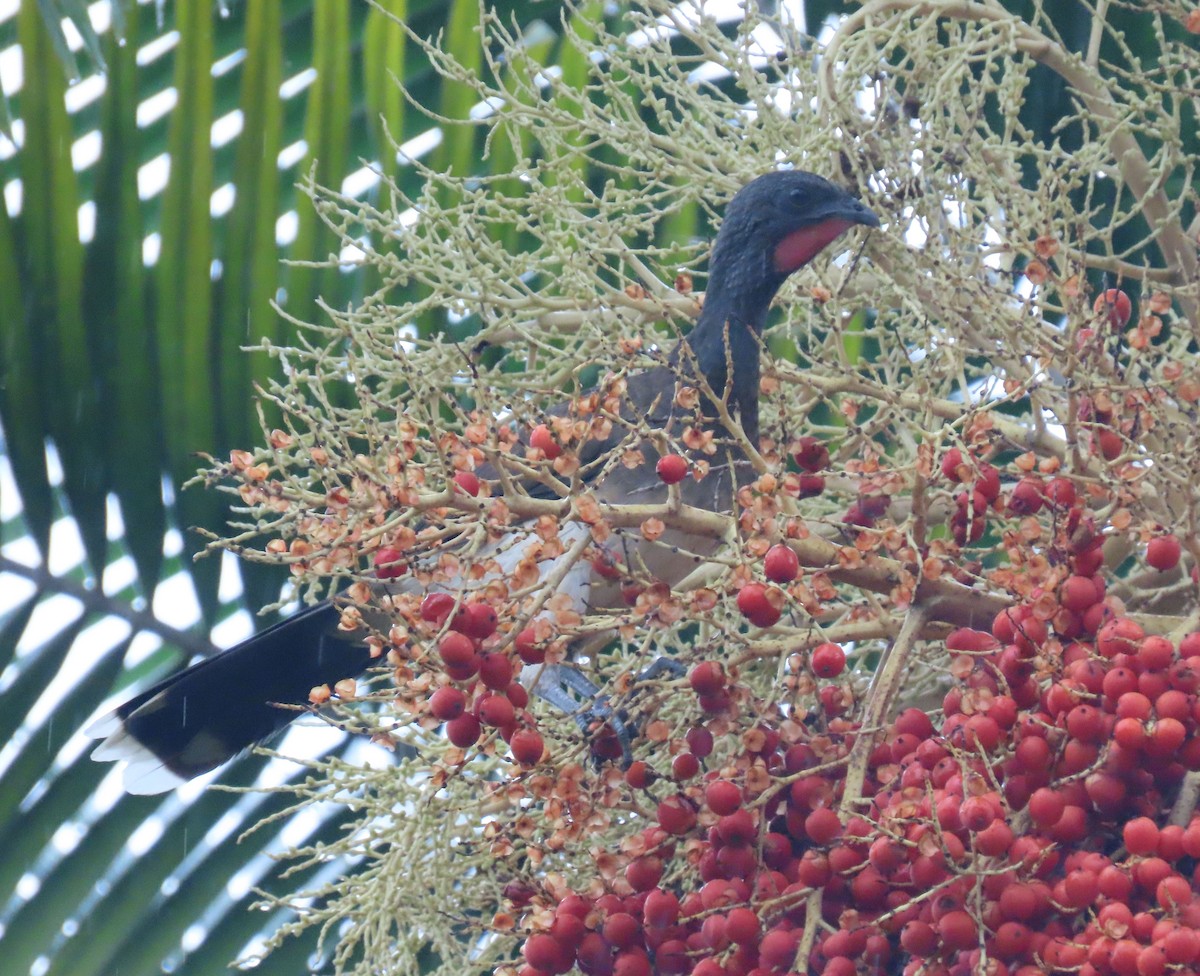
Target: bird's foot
point(661, 666)
point(609, 731)
point(568, 689)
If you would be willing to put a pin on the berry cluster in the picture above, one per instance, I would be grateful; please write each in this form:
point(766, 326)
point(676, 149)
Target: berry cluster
point(485, 692)
point(1027, 832)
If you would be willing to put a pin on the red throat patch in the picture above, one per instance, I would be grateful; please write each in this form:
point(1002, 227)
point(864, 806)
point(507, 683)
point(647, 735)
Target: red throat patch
point(801, 246)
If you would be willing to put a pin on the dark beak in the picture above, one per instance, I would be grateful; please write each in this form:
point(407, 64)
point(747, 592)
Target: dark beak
point(851, 210)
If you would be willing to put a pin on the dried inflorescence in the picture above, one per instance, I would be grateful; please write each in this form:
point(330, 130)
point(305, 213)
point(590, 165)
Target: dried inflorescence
point(971, 431)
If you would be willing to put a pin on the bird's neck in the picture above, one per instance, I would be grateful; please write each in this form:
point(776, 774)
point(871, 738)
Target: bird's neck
point(729, 330)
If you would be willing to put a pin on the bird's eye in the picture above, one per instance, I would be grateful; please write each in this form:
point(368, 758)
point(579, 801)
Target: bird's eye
point(797, 196)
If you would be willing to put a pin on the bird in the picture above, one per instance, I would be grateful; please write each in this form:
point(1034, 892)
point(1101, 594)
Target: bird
point(200, 717)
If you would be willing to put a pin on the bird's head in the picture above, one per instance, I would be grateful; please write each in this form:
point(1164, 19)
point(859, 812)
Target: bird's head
point(773, 226)
point(779, 222)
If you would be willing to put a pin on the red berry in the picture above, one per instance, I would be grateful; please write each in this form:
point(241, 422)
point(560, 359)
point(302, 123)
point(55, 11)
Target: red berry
point(700, 741)
point(976, 813)
point(913, 721)
point(684, 766)
point(811, 455)
point(988, 483)
point(632, 962)
point(995, 839)
point(707, 678)
point(644, 872)
point(1119, 636)
point(781, 564)
point(1018, 902)
point(467, 482)
point(621, 929)
point(1182, 945)
point(1060, 492)
point(1078, 593)
point(436, 607)
point(671, 469)
point(869, 888)
point(1086, 723)
point(675, 815)
point(778, 948)
point(543, 439)
point(737, 828)
point(389, 563)
point(1173, 893)
point(527, 746)
point(1151, 961)
point(661, 909)
point(822, 825)
point(1140, 836)
point(762, 605)
point(918, 938)
point(447, 703)
point(828, 660)
point(1155, 653)
point(639, 775)
point(1162, 552)
point(464, 730)
point(1110, 444)
point(544, 952)
point(967, 639)
point(495, 671)
point(1115, 306)
point(496, 711)
point(517, 694)
point(742, 926)
point(723, 797)
point(1129, 733)
point(1173, 704)
point(594, 954)
point(458, 651)
point(1165, 738)
point(953, 468)
point(527, 647)
point(1080, 888)
point(1012, 940)
point(478, 620)
point(1046, 806)
point(957, 930)
point(1026, 497)
point(811, 485)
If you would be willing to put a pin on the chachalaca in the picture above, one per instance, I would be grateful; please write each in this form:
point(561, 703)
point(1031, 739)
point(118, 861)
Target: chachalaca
point(205, 714)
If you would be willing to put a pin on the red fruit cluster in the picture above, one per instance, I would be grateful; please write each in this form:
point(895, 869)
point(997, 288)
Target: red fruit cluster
point(709, 682)
point(761, 604)
point(969, 520)
point(1007, 814)
point(486, 692)
point(812, 457)
point(745, 914)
